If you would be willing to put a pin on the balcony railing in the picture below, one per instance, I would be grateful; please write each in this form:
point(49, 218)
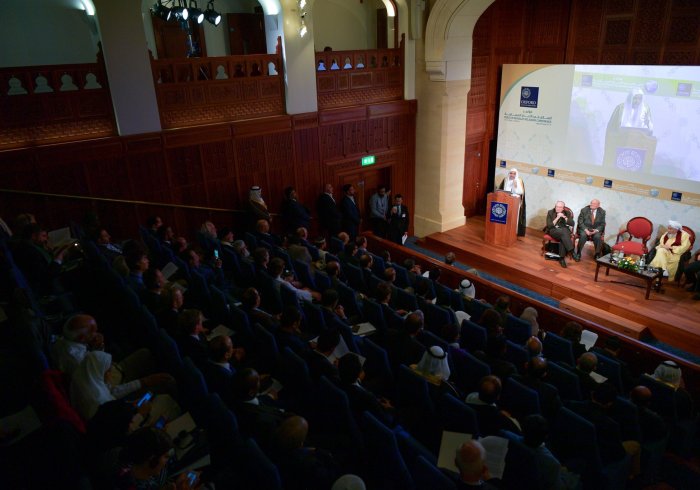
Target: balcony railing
point(54, 103)
point(346, 78)
point(193, 91)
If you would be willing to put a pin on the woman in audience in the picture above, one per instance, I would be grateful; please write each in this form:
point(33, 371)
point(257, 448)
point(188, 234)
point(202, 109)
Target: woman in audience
point(91, 387)
point(145, 460)
point(529, 314)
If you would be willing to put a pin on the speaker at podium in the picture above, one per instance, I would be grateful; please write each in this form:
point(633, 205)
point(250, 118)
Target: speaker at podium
point(502, 210)
point(629, 149)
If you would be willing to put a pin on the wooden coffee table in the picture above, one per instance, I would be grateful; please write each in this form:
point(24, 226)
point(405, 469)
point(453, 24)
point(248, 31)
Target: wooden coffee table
point(651, 278)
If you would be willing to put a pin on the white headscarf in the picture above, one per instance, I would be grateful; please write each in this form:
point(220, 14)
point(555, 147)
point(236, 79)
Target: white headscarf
point(88, 389)
point(668, 372)
point(466, 287)
point(513, 185)
point(529, 314)
point(434, 363)
point(675, 224)
point(255, 195)
point(636, 117)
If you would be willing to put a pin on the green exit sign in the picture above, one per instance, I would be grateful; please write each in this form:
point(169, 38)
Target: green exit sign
point(368, 160)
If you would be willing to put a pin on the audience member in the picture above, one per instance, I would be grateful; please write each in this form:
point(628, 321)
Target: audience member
point(289, 332)
point(103, 240)
point(402, 345)
point(502, 307)
point(258, 415)
point(378, 211)
point(329, 215)
point(467, 289)
point(218, 370)
point(256, 206)
point(533, 347)
point(494, 356)
point(294, 214)
point(652, 425)
point(37, 259)
point(350, 212)
point(491, 321)
point(585, 365)
point(361, 399)
point(301, 467)
point(470, 460)
point(535, 377)
point(320, 359)
point(669, 373)
point(191, 339)
point(450, 258)
point(173, 300)
point(529, 315)
point(137, 261)
point(572, 332)
point(484, 402)
point(152, 293)
point(80, 336)
point(250, 304)
point(611, 349)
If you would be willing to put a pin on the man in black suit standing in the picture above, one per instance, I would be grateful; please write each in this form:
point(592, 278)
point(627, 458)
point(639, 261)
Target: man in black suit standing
point(350, 212)
point(591, 226)
point(398, 220)
point(329, 215)
point(294, 214)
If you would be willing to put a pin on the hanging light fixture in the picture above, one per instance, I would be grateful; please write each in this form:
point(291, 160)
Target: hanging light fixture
point(302, 16)
point(181, 12)
point(212, 16)
point(195, 13)
point(161, 11)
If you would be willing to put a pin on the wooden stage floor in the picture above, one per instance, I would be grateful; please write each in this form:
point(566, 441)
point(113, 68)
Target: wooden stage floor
point(671, 316)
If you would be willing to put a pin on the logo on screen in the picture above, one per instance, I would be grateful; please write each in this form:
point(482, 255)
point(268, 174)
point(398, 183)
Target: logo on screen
point(499, 212)
point(607, 183)
point(503, 164)
point(586, 80)
point(684, 89)
point(630, 159)
point(529, 96)
point(550, 172)
point(676, 196)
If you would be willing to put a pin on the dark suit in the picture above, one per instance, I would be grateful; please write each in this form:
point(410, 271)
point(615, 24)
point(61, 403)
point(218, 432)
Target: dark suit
point(561, 230)
point(586, 222)
point(362, 400)
point(195, 349)
point(219, 379)
point(294, 215)
point(329, 215)
point(550, 403)
point(351, 216)
point(37, 265)
point(491, 420)
point(259, 421)
point(398, 223)
point(607, 430)
point(403, 349)
point(319, 366)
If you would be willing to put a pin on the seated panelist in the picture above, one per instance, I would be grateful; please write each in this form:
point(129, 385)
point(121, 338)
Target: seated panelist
point(591, 226)
point(560, 222)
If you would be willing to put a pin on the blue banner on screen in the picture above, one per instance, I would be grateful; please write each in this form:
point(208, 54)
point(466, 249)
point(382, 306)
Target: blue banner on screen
point(499, 212)
point(607, 183)
point(550, 172)
point(676, 196)
point(529, 96)
point(503, 164)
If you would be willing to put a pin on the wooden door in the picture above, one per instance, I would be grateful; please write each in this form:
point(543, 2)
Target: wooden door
point(475, 180)
point(246, 33)
point(382, 26)
point(366, 182)
point(172, 41)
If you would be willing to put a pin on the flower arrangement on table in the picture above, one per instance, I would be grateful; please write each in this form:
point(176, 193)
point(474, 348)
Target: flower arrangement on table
point(628, 263)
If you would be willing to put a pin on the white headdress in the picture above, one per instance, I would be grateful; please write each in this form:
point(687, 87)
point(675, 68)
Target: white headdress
point(434, 363)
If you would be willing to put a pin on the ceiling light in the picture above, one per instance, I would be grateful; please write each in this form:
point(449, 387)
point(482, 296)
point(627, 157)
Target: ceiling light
point(212, 15)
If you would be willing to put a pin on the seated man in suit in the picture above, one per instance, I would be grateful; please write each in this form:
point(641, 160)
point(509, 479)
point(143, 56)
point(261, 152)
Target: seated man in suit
point(535, 378)
point(319, 358)
point(560, 223)
point(288, 334)
point(191, 341)
point(258, 415)
point(585, 365)
point(360, 398)
point(402, 345)
point(219, 369)
point(494, 356)
point(470, 460)
point(484, 402)
point(591, 226)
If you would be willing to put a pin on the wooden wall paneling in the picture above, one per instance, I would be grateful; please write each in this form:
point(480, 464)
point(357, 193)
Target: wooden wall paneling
point(18, 170)
point(186, 177)
point(280, 166)
point(585, 29)
point(331, 142)
point(354, 138)
point(548, 24)
point(683, 29)
point(149, 176)
point(307, 166)
point(108, 177)
point(650, 23)
point(250, 165)
point(509, 24)
point(219, 174)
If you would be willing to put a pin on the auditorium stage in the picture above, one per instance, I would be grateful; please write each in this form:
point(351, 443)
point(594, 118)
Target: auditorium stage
point(670, 316)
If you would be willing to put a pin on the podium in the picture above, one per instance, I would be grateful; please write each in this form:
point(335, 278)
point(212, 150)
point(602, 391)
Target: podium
point(629, 149)
point(502, 210)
